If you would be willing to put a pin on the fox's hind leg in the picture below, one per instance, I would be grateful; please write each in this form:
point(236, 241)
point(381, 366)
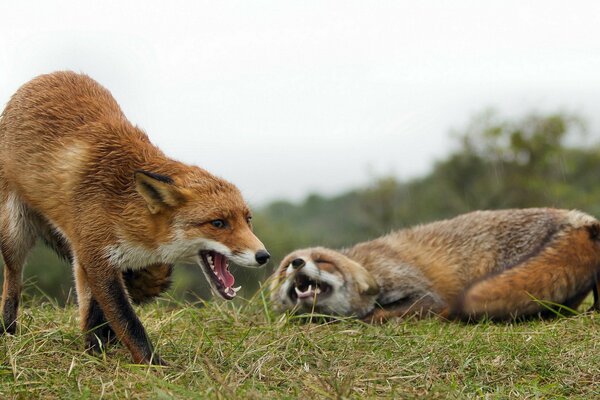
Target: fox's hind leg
point(17, 237)
point(563, 273)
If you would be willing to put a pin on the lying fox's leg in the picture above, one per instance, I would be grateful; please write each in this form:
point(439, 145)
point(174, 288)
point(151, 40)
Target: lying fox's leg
point(562, 273)
point(417, 307)
point(17, 237)
point(106, 287)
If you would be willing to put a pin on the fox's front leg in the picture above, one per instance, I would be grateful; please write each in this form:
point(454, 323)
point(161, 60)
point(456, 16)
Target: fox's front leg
point(143, 285)
point(101, 284)
point(416, 308)
point(93, 323)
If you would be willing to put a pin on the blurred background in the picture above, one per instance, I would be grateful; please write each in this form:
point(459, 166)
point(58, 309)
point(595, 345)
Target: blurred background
point(339, 120)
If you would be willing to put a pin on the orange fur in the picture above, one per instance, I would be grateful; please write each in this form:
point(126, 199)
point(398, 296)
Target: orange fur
point(75, 169)
point(562, 273)
point(497, 264)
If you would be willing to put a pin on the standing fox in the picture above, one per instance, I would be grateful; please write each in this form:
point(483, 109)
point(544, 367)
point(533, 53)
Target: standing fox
point(76, 173)
point(495, 264)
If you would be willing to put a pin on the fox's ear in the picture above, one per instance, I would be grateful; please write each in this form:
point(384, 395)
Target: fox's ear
point(159, 191)
point(365, 282)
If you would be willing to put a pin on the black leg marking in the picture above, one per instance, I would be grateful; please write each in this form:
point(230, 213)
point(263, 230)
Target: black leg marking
point(130, 320)
point(9, 316)
point(125, 322)
point(98, 331)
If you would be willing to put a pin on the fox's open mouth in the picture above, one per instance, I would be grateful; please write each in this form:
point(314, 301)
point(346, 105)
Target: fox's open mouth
point(216, 268)
point(305, 287)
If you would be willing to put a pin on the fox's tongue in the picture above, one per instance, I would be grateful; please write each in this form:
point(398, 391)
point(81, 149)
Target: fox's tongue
point(221, 270)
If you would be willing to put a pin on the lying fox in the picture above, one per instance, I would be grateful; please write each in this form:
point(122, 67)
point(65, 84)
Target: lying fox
point(76, 173)
point(495, 264)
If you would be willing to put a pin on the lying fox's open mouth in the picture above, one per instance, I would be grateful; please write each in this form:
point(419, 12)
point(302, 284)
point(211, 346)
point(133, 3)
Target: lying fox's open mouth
point(216, 268)
point(306, 288)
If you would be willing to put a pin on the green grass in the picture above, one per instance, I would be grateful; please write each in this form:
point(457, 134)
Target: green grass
point(241, 350)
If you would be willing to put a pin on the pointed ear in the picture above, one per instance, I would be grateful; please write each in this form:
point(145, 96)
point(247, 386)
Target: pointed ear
point(365, 282)
point(159, 191)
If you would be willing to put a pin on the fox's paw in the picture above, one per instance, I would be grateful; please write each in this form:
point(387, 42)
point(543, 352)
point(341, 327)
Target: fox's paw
point(377, 317)
point(98, 339)
point(11, 329)
point(151, 359)
point(157, 360)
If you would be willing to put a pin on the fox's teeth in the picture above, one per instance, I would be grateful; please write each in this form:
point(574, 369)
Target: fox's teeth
point(318, 290)
point(300, 292)
point(236, 289)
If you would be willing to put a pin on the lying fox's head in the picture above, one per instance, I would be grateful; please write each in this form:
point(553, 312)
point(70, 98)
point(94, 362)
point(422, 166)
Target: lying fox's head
point(192, 218)
point(324, 281)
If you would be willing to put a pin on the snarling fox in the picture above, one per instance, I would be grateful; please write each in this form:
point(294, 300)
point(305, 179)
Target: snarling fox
point(486, 264)
point(77, 174)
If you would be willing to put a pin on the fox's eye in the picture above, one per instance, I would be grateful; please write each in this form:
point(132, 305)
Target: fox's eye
point(249, 218)
point(218, 223)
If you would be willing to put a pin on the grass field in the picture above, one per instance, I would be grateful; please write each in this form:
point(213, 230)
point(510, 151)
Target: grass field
point(242, 350)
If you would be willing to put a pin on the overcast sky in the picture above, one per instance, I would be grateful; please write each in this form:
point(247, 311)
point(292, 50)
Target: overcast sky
point(285, 98)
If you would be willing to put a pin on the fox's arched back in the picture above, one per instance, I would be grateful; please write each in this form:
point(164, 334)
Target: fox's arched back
point(76, 172)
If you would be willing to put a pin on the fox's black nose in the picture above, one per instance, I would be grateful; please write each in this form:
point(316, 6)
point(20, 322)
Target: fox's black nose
point(262, 256)
point(297, 263)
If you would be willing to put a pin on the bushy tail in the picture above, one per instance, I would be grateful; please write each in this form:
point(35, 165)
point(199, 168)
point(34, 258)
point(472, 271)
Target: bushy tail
point(146, 284)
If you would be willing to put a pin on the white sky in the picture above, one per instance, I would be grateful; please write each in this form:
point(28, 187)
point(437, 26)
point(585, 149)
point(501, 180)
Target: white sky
point(283, 98)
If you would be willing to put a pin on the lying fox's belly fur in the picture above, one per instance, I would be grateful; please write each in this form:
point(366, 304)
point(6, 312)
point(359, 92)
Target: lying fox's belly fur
point(496, 264)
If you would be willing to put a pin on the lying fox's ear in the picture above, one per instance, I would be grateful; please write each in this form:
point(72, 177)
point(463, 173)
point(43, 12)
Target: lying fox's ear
point(159, 191)
point(364, 281)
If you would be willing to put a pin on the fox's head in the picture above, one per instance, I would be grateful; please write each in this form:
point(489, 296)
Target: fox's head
point(324, 281)
point(201, 219)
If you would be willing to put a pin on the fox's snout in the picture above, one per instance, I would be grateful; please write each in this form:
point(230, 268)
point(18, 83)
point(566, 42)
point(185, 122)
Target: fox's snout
point(262, 256)
point(255, 254)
